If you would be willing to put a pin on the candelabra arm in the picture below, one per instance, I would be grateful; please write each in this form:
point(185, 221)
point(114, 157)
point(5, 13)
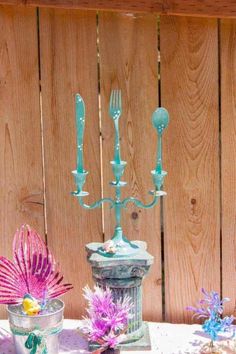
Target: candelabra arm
point(140, 204)
point(96, 204)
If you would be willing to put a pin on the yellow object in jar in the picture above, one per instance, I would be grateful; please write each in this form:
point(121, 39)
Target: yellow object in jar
point(30, 305)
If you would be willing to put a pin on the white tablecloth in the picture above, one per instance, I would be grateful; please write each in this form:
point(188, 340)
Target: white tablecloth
point(166, 339)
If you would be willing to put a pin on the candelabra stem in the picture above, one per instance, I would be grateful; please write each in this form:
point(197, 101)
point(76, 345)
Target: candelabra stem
point(117, 142)
point(118, 207)
point(159, 154)
point(118, 193)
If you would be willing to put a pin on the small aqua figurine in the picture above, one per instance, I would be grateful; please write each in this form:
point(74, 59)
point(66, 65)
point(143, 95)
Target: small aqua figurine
point(30, 305)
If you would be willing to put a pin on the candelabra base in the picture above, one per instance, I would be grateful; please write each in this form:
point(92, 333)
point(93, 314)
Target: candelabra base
point(121, 246)
point(124, 275)
point(143, 343)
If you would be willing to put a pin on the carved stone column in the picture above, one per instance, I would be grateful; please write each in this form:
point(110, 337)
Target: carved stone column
point(124, 275)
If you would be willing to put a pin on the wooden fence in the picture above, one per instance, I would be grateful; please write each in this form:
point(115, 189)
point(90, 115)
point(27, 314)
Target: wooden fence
point(186, 64)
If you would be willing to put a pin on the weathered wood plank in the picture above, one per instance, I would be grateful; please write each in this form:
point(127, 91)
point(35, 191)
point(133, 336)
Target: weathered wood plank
point(228, 158)
point(21, 181)
point(69, 65)
point(203, 8)
point(128, 60)
point(122, 5)
point(206, 8)
point(189, 90)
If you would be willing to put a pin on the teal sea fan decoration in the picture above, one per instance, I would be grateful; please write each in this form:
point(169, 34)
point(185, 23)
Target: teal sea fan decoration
point(33, 271)
point(211, 309)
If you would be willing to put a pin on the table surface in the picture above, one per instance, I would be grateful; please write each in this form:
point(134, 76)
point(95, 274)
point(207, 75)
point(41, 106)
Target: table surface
point(165, 338)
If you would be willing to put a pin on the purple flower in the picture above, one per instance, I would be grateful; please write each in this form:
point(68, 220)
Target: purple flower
point(107, 320)
point(226, 323)
point(211, 308)
point(213, 301)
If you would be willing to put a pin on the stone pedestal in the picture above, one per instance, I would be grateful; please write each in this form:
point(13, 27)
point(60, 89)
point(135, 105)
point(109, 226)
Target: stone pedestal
point(124, 275)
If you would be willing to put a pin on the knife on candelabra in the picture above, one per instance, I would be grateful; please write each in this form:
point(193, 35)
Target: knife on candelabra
point(80, 123)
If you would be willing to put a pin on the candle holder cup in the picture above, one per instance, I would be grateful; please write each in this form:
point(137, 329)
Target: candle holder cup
point(158, 178)
point(80, 179)
point(118, 170)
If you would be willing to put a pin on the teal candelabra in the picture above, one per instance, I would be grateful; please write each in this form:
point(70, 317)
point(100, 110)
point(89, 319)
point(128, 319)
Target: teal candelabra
point(119, 245)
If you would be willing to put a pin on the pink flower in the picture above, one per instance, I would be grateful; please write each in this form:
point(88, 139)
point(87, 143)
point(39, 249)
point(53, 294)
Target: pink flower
point(109, 246)
point(33, 270)
point(107, 320)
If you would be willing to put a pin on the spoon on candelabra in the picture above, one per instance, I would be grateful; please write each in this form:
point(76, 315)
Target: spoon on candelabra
point(160, 120)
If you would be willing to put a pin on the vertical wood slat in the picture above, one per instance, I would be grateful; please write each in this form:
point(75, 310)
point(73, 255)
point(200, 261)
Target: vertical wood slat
point(228, 158)
point(128, 61)
point(69, 65)
point(21, 183)
point(189, 90)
